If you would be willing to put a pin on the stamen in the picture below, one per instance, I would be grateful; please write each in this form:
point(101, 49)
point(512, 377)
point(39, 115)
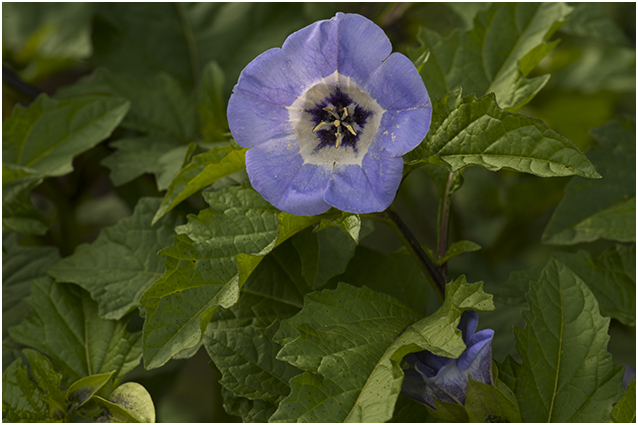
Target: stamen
point(349, 127)
point(318, 126)
point(339, 136)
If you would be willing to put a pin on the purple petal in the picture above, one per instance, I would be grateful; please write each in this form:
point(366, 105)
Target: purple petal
point(363, 46)
point(276, 170)
point(468, 324)
point(450, 384)
point(477, 358)
point(270, 78)
point(402, 131)
point(368, 188)
point(414, 387)
point(253, 122)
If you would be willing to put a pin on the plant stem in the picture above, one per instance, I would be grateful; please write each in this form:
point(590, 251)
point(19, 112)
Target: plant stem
point(444, 219)
point(409, 240)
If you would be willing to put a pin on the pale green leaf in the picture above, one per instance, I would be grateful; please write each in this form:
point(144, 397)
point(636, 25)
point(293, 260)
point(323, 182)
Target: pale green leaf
point(349, 223)
point(486, 58)
point(611, 277)
point(457, 248)
point(47, 135)
point(82, 390)
point(66, 327)
point(351, 341)
point(49, 381)
point(206, 266)
point(121, 263)
point(130, 402)
point(202, 171)
point(567, 374)
point(471, 131)
point(604, 208)
point(625, 410)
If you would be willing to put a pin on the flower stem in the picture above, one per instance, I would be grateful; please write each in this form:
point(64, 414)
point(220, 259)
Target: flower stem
point(409, 240)
point(444, 219)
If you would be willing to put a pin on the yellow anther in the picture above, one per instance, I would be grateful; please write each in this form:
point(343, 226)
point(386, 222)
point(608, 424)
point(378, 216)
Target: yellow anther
point(318, 126)
point(350, 129)
point(339, 136)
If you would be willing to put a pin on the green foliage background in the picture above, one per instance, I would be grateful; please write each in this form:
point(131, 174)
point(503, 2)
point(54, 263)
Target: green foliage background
point(163, 73)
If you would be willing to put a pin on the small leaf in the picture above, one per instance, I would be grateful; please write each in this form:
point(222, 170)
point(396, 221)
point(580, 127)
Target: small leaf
point(471, 131)
point(121, 263)
point(458, 248)
point(202, 171)
point(351, 340)
point(66, 327)
point(249, 410)
point(604, 209)
point(47, 135)
point(212, 105)
point(590, 20)
point(48, 380)
point(491, 403)
point(18, 212)
point(625, 409)
point(84, 389)
point(130, 402)
point(211, 258)
point(487, 58)
point(567, 374)
point(349, 223)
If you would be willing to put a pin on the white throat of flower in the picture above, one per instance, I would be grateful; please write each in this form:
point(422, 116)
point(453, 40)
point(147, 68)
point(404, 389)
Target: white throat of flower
point(305, 128)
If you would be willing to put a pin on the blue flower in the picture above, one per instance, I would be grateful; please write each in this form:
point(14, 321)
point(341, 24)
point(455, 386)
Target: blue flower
point(447, 379)
point(328, 116)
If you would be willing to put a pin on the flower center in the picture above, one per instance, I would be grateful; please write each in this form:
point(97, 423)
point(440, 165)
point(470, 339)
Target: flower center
point(334, 122)
point(338, 120)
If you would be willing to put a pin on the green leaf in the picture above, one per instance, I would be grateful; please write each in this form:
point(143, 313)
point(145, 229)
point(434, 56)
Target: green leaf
point(491, 403)
point(567, 374)
point(23, 400)
point(48, 380)
point(66, 327)
point(407, 410)
point(625, 409)
point(351, 341)
point(121, 263)
point(249, 410)
point(604, 209)
point(509, 371)
point(18, 213)
point(206, 266)
point(130, 402)
point(590, 20)
point(486, 58)
point(212, 104)
point(323, 254)
point(458, 248)
point(159, 104)
point(396, 274)
point(611, 277)
point(47, 135)
point(202, 171)
point(471, 131)
point(84, 389)
point(349, 223)
point(20, 266)
point(148, 154)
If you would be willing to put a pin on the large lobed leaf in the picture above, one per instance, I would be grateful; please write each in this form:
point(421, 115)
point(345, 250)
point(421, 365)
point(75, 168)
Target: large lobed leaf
point(567, 374)
point(495, 56)
point(475, 131)
point(20, 266)
point(206, 266)
point(350, 341)
point(65, 326)
point(122, 262)
point(603, 209)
